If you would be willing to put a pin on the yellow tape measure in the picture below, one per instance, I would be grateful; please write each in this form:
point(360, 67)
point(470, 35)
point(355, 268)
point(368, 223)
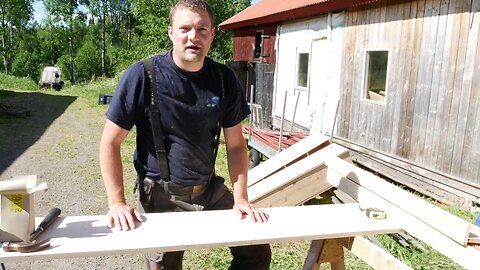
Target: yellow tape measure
point(375, 213)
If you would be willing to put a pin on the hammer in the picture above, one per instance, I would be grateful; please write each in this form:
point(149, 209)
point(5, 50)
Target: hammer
point(32, 244)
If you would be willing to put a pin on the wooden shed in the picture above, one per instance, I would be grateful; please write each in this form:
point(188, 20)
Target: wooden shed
point(397, 82)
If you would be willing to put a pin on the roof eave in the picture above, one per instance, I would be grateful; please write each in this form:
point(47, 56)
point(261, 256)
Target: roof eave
point(302, 12)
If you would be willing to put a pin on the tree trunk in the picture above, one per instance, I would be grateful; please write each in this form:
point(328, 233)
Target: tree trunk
point(4, 39)
point(104, 37)
point(72, 56)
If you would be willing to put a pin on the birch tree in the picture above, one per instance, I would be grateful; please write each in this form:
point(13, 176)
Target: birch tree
point(14, 16)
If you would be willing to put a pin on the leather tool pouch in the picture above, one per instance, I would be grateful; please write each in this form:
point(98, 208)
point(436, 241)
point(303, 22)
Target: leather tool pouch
point(220, 179)
point(157, 198)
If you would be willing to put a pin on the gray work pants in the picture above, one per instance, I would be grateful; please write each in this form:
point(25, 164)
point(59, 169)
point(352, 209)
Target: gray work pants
point(216, 196)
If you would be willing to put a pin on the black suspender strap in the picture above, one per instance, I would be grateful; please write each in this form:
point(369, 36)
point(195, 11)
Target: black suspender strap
point(158, 138)
point(223, 108)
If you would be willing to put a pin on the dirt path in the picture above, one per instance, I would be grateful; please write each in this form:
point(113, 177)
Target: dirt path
point(59, 144)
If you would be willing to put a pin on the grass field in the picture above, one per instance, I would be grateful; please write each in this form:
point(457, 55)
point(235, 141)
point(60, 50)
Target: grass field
point(285, 255)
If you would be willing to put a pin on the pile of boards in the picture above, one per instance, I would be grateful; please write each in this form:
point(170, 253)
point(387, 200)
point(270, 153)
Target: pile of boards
point(313, 166)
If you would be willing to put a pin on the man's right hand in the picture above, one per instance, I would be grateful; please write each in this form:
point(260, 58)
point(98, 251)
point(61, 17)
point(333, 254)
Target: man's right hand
point(122, 217)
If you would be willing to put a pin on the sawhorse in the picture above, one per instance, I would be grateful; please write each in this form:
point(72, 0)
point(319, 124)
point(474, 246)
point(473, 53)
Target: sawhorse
point(327, 251)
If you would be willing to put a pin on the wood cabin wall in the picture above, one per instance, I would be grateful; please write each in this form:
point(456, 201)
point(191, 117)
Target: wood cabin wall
point(431, 114)
point(243, 39)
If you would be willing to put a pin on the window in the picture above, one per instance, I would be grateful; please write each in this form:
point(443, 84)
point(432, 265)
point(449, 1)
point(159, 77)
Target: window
point(302, 70)
point(375, 80)
point(258, 44)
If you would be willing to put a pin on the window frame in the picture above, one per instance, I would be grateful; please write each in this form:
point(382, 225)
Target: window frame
point(258, 33)
point(297, 70)
point(366, 62)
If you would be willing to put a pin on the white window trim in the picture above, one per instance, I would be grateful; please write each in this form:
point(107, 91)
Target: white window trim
point(296, 86)
point(364, 75)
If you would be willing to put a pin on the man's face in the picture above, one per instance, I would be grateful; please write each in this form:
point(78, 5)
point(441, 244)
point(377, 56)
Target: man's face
point(191, 34)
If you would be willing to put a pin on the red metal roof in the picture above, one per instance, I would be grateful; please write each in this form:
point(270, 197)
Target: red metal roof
point(274, 11)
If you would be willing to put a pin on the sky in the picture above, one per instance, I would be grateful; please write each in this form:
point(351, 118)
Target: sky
point(39, 10)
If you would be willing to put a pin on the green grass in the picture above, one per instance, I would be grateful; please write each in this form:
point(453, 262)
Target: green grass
point(285, 255)
point(14, 83)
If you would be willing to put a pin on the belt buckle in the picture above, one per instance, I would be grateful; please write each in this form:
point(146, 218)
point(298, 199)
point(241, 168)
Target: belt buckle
point(199, 188)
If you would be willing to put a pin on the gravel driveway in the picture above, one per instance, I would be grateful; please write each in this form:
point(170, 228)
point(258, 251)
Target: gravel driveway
point(58, 142)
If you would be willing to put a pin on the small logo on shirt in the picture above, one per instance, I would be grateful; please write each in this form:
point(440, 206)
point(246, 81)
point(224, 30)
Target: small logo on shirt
point(214, 102)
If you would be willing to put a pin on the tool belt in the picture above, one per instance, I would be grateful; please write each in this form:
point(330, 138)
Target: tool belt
point(166, 196)
point(160, 196)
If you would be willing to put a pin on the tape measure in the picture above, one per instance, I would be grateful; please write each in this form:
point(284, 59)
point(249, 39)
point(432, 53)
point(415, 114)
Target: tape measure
point(375, 213)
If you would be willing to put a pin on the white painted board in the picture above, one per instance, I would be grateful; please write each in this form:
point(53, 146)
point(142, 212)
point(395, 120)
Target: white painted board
point(85, 236)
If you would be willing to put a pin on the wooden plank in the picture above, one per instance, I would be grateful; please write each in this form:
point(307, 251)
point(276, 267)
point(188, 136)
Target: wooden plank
point(298, 191)
point(451, 101)
point(344, 117)
point(452, 226)
point(356, 113)
point(438, 44)
point(407, 113)
point(460, 187)
point(292, 154)
point(475, 161)
point(311, 261)
point(394, 41)
point(462, 153)
point(332, 252)
point(463, 80)
point(84, 236)
point(465, 256)
point(375, 256)
point(424, 81)
point(292, 184)
point(390, 144)
point(419, 183)
point(443, 104)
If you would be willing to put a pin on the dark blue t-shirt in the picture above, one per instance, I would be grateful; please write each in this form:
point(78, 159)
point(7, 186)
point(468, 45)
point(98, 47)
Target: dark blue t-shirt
point(189, 104)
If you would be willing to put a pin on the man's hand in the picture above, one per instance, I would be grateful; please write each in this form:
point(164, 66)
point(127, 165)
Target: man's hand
point(243, 208)
point(122, 217)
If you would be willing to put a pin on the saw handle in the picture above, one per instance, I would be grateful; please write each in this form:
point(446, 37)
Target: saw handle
point(46, 222)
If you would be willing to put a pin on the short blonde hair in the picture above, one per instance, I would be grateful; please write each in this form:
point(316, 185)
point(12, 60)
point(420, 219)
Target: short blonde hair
point(193, 5)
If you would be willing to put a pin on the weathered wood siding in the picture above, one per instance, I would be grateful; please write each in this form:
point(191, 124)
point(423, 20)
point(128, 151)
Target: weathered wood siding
point(431, 114)
point(245, 37)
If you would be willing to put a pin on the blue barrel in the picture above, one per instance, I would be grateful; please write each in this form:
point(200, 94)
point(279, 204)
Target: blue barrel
point(477, 222)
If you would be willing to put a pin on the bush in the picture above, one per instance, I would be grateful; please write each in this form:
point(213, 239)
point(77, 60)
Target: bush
point(26, 65)
point(88, 62)
point(64, 64)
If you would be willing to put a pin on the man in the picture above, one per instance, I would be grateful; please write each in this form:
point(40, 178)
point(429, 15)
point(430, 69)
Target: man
point(189, 97)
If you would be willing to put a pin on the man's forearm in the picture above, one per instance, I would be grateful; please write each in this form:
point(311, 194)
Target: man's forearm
point(112, 173)
point(238, 169)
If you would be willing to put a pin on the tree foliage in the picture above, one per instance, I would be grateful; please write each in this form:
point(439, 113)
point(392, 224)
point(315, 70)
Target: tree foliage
point(14, 16)
point(92, 38)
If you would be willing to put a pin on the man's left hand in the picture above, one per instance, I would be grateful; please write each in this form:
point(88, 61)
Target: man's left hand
point(244, 208)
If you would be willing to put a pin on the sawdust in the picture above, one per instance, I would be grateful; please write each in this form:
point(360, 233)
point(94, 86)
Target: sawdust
point(58, 142)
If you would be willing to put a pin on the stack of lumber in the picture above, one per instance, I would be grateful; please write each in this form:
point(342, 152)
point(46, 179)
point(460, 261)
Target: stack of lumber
point(290, 178)
point(294, 175)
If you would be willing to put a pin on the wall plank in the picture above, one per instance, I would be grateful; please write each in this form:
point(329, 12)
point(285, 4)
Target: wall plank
point(471, 152)
point(452, 99)
point(465, 79)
